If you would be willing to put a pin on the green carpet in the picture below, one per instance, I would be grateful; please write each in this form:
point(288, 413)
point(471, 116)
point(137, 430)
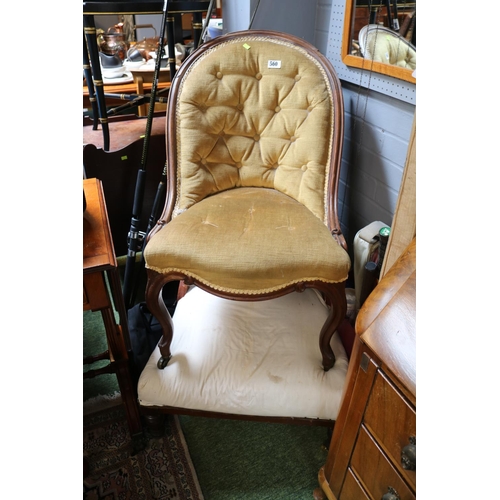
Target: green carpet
point(238, 460)
point(234, 460)
point(94, 342)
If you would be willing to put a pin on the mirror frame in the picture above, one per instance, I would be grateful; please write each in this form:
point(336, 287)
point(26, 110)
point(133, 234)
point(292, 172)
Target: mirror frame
point(367, 64)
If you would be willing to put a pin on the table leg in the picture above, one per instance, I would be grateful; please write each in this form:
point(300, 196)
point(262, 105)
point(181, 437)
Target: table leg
point(122, 368)
point(139, 81)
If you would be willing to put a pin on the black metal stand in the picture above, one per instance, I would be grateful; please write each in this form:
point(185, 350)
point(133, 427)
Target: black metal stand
point(96, 75)
point(90, 84)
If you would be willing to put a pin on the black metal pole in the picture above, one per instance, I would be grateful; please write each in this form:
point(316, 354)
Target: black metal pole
point(389, 13)
point(154, 216)
point(133, 101)
point(134, 239)
point(90, 83)
point(395, 19)
point(90, 32)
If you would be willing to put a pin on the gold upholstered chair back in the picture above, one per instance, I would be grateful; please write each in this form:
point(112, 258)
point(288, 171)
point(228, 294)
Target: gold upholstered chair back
point(254, 139)
point(255, 110)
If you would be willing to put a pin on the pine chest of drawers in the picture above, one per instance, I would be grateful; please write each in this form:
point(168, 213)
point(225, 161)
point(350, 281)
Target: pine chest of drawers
point(372, 453)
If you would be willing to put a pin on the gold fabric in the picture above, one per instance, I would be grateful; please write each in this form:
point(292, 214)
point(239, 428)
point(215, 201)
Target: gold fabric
point(388, 47)
point(242, 121)
point(248, 240)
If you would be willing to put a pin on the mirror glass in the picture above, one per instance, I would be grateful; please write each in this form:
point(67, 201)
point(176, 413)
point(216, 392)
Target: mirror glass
point(380, 36)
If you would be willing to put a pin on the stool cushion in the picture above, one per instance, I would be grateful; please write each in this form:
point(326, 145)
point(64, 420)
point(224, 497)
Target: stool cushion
point(248, 358)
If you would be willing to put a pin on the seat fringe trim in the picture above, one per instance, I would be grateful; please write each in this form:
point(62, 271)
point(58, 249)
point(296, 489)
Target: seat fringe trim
point(237, 291)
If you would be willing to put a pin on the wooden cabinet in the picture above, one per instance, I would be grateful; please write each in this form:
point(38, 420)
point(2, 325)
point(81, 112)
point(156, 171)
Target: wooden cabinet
point(372, 454)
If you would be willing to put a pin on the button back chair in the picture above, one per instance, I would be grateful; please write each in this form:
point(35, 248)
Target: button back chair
point(254, 137)
point(383, 45)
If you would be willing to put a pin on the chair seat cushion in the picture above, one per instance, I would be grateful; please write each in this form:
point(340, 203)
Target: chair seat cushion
point(248, 240)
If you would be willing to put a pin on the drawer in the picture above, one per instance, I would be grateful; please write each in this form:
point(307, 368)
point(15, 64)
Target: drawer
point(351, 489)
point(392, 422)
point(374, 471)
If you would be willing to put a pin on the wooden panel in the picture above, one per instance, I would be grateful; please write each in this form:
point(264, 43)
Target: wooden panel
point(392, 421)
point(95, 295)
point(404, 225)
point(374, 470)
point(98, 250)
point(344, 437)
point(387, 321)
point(352, 489)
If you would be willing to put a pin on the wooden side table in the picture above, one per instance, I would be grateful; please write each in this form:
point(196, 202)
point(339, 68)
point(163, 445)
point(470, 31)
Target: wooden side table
point(99, 263)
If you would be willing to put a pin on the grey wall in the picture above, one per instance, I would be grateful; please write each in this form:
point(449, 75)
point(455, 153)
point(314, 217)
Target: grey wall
point(377, 129)
point(377, 132)
point(296, 17)
point(322, 24)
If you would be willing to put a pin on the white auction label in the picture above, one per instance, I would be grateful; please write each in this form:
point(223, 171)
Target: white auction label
point(274, 64)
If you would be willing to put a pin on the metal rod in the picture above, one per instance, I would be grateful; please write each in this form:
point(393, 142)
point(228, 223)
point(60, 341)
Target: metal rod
point(90, 83)
point(134, 243)
point(91, 40)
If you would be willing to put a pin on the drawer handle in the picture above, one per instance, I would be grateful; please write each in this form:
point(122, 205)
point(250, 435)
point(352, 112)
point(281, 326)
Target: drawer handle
point(392, 494)
point(409, 455)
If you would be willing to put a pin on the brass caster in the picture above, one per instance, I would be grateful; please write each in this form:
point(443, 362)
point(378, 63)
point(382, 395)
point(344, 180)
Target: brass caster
point(162, 362)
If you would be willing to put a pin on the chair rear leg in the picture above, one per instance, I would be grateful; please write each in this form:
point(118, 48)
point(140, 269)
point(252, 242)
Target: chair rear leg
point(156, 305)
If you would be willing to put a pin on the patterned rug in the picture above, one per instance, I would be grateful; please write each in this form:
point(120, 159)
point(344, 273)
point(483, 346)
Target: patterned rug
point(161, 471)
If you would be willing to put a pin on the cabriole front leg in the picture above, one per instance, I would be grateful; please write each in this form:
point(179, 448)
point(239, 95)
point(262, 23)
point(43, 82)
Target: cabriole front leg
point(336, 300)
point(156, 305)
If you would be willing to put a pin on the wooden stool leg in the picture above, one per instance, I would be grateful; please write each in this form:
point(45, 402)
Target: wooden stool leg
point(121, 367)
point(142, 109)
point(155, 424)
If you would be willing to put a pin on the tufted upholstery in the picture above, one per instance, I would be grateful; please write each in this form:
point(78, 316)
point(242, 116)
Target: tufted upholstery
point(383, 45)
point(256, 126)
point(254, 136)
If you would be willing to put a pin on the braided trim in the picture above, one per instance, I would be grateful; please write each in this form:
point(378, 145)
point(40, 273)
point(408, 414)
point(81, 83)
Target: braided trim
point(236, 291)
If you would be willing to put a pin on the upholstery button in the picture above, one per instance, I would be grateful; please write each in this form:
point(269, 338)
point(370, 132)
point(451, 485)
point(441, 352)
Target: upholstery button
point(303, 168)
point(239, 107)
point(258, 76)
point(237, 164)
point(275, 166)
point(310, 108)
point(219, 75)
point(203, 161)
point(256, 137)
point(277, 109)
point(292, 139)
point(297, 78)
